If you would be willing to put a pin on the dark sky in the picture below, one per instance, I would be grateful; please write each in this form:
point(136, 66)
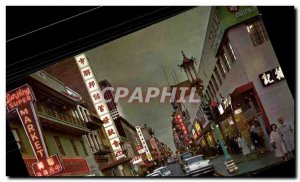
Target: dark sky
point(136, 59)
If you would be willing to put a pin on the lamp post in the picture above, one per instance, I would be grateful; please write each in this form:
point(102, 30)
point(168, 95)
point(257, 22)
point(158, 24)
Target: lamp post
point(216, 130)
point(189, 68)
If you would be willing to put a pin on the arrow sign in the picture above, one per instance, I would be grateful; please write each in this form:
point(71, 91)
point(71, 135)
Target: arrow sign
point(21, 100)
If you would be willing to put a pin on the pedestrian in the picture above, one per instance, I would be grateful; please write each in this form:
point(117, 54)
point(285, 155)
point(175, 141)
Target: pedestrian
point(243, 145)
point(287, 132)
point(255, 138)
point(277, 143)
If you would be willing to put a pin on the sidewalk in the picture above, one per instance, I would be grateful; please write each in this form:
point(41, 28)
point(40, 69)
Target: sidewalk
point(246, 165)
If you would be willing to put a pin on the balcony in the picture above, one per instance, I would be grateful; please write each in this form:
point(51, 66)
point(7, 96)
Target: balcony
point(53, 119)
point(94, 122)
point(47, 87)
point(101, 152)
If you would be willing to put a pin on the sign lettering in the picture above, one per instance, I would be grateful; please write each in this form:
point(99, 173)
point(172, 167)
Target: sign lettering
point(21, 100)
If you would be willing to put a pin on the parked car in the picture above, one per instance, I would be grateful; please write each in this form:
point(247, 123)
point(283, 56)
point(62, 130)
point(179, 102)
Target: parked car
point(164, 171)
point(183, 157)
point(196, 166)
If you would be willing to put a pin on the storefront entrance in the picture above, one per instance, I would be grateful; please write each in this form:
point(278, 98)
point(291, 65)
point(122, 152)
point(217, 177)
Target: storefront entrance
point(245, 115)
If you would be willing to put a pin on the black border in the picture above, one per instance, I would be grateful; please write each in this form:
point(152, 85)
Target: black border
point(279, 22)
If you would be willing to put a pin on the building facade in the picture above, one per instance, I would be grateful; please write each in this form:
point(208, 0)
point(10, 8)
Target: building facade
point(64, 122)
point(240, 71)
point(115, 109)
point(68, 72)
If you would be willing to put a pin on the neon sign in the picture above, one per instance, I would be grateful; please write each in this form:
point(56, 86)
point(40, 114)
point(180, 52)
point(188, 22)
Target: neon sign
point(100, 105)
point(21, 100)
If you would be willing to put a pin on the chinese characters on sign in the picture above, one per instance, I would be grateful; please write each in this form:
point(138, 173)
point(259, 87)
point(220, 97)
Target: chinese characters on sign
point(71, 166)
point(272, 76)
point(99, 103)
point(142, 139)
point(47, 167)
point(21, 100)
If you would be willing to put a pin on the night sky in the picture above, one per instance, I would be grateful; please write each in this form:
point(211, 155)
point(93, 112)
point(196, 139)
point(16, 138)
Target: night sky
point(136, 60)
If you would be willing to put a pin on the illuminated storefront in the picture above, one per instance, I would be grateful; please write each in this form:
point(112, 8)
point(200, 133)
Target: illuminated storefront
point(244, 113)
point(210, 139)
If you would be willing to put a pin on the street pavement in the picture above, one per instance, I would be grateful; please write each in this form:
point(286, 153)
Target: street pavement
point(176, 169)
point(246, 166)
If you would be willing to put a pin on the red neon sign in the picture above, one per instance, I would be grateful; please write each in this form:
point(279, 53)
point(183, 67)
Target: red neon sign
point(47, 167)
point(21, 100)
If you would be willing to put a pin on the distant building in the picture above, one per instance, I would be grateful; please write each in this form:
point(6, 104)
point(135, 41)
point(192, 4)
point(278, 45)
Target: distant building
point(114, 108)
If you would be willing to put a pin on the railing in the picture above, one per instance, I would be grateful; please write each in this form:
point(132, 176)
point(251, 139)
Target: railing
point(60, 116)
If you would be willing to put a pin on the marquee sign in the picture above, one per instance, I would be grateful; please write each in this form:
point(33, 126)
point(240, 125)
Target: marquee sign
point(144, 144)
point(99, 104)
point(136, 160)
point(21, 100)
point(272, 76)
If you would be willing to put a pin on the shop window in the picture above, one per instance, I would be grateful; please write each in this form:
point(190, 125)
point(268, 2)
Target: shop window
point(74, 147)
point(257, 32)
point(18, 140)
point(218, 75)
point(221, 68)
point(59, 146)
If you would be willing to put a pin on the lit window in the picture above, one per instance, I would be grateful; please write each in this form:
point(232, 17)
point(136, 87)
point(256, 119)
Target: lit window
point(257, 32)
point(214, 82)
point(212, 87)
point(230, 51)
point(221, 68)
point(218, 75)
point(225, 60)
point(211, 93)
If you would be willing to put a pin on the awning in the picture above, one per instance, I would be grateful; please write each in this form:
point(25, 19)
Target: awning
point(242, 89)
point(114, 163)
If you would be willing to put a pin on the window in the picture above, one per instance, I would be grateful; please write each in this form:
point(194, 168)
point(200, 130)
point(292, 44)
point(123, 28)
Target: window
point(74, 147)
point(212, 88)
point(91, 142)
point(257, 32)
point(214, 82)
point(230, 51)
point(83, 147)
point(221, 68)
point(214, 29)
point(207, 93)
point(211, 94)
point(59, 145)
point(95, 141)
point(98, 141)
point(218, 75)
point(18, 140)
point(225, 61)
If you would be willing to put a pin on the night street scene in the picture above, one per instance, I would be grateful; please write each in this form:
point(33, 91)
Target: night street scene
point(199, 94)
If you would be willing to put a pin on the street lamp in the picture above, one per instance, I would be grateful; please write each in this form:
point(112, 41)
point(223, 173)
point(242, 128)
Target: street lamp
point(189, 68)
point(216, 130)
